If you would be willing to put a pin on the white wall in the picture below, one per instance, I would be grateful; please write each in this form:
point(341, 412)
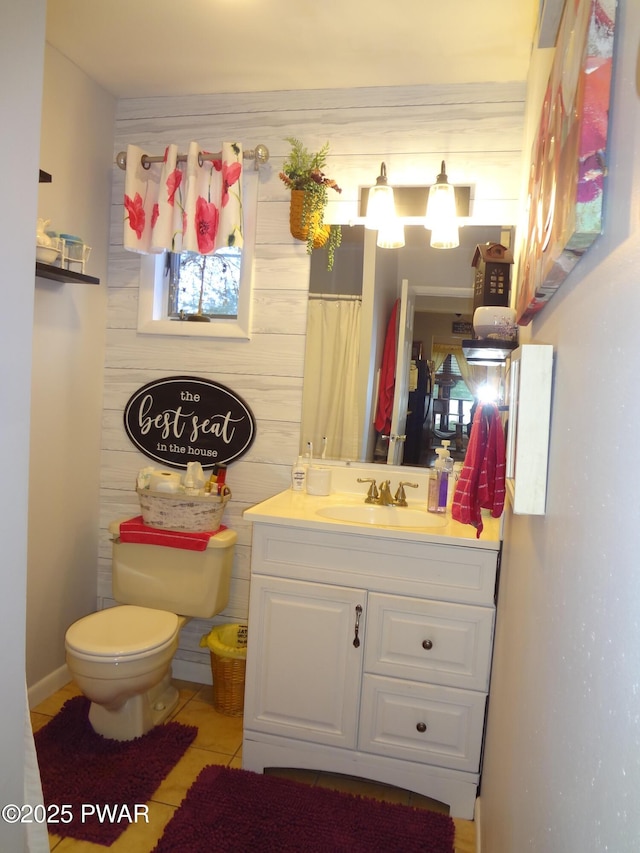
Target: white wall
point(561, 769)
point(21, 62)
point(68, 358)
point(478, 129)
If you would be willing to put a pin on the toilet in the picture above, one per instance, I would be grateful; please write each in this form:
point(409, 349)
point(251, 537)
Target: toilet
point(121, 657)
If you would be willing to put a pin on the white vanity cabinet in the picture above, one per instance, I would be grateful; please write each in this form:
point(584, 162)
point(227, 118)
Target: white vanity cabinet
point(304, 669)
point(370, 656)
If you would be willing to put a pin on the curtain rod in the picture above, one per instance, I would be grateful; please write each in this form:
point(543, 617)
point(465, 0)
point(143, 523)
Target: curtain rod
point(260, 154)
point(347, 297)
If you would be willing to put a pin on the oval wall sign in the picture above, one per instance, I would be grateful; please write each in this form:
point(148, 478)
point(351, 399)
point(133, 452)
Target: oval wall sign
point(182, 419)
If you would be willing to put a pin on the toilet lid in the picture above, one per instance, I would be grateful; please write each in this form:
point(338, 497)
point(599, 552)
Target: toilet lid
point(122, 631)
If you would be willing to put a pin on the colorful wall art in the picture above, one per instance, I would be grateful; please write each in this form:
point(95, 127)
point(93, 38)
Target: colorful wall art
point(568, 163)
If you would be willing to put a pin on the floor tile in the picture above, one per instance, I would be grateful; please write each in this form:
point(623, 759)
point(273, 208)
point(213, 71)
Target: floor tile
point(54, 703)
point(39, 720)
point(186, 692)
point(173, 789)
point(216, 732)
point(205, 694)
point(465, 840)
point(236, 762)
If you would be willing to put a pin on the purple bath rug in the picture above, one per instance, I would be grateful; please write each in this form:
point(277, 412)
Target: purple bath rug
point(101, 781)
point(228, 810)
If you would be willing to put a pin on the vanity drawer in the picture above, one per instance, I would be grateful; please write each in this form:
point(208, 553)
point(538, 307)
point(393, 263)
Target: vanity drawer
point(425, 640)
point(421, 722)
point(445, 572)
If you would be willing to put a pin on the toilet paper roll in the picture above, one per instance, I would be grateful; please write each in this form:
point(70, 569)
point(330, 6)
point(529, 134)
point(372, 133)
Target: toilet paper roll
point(318, 480)
point(165, 481)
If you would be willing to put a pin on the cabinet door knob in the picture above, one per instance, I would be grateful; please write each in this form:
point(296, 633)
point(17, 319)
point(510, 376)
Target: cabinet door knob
point(421, 727)
point(427, 644)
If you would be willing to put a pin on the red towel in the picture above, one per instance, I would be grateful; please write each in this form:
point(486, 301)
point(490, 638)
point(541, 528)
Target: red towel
point(135, 530)
point(482, 479)
point(388, 374)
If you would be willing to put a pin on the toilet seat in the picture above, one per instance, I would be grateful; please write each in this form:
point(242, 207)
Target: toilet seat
point(125, 632)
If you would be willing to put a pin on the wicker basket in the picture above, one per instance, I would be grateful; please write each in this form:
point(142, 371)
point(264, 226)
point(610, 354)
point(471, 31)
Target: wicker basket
point(228, 651)
point(300, 231)
point(193, 513)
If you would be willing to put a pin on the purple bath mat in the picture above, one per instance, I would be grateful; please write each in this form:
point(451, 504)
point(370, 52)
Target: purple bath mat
point(101, 781)
point(228, 810)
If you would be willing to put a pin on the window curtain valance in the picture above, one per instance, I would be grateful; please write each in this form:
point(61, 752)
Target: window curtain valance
point(188, 206)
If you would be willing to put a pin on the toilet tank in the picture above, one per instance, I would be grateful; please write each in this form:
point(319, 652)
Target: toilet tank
point(189, 583)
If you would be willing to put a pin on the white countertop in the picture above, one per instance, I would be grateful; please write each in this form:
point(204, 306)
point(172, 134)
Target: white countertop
point(297, 509)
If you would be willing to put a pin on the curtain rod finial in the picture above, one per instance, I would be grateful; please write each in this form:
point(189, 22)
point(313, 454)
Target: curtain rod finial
point(261, 155)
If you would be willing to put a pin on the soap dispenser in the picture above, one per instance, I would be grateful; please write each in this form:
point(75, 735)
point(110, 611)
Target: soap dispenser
point(447, 480)
point(299, 476)
point(438, 483)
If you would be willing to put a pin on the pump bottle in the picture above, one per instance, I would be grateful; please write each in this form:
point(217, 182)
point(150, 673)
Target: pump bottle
point(447, 485)
point(439, 481)
point(299, 476)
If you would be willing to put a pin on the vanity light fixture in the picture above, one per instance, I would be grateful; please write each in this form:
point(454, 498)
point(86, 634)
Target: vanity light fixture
point(441, 218)
point(391, 236)
point(381, 208)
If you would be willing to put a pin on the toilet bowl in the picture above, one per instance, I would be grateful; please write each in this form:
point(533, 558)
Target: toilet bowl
point(120, 657)
point(121, 660)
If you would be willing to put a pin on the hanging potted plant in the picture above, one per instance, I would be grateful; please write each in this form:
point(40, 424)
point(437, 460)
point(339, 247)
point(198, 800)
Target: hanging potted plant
point(302, 172)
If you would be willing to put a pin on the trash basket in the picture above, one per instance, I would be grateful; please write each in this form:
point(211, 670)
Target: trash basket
point(228, 650)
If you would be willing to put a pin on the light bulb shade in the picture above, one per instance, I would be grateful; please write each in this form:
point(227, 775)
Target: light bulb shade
point(381, 207)
point(441, 217)
point(441, 204)
point(392, 235)
point(445, 235)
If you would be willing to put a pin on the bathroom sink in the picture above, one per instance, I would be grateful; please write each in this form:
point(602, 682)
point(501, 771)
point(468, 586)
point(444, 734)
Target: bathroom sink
point(383, 516)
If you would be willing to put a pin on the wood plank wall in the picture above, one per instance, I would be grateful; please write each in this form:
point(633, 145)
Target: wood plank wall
point(477, 129)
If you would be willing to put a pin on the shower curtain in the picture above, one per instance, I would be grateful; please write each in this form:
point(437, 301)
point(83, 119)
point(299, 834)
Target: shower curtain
point(330, 399)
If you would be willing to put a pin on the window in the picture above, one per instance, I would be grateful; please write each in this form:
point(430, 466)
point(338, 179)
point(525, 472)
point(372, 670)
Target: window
point(204, 285)
point(172, 286)
point(456, 399)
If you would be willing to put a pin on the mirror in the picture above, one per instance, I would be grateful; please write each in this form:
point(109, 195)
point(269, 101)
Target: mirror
point(348, 314)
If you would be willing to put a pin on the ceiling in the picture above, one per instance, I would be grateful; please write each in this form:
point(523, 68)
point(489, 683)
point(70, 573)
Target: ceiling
point(141, 48)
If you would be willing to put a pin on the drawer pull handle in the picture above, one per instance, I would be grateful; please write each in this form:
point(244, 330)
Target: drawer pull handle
point(427, 644)
point(356, 638)
point(421, 727)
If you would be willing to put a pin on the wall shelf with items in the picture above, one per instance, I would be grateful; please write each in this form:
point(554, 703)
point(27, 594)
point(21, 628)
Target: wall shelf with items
point(55, 273)
point(61, 275)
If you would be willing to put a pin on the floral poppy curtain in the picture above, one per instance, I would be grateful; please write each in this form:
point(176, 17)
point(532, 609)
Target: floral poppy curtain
point(188, 206)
